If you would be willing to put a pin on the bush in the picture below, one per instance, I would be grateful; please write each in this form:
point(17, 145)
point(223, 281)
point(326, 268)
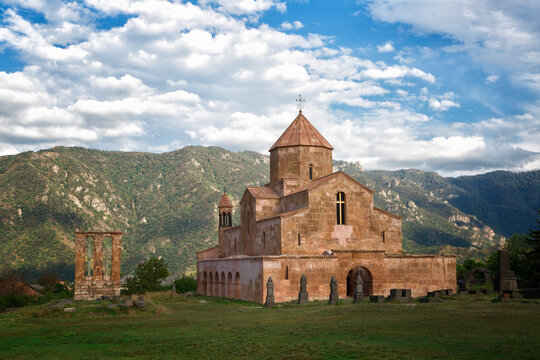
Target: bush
point(185, 284)
point(147, 277)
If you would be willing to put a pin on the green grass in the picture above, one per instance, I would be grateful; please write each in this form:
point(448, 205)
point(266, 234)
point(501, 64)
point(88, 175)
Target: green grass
point(471, 327)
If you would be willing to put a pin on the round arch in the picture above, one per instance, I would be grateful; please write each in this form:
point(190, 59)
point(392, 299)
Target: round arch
point(222, 285)
point(204, 284)
point(228, 288)
point(367, 279)
point(210, 284)
point(478, 276)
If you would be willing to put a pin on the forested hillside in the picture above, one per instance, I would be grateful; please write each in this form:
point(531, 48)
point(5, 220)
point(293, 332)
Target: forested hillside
point(166, 204)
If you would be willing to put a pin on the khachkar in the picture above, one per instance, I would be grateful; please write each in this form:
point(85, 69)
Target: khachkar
point(97, 264)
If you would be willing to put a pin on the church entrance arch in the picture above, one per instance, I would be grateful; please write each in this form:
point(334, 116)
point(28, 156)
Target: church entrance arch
point(367, 278)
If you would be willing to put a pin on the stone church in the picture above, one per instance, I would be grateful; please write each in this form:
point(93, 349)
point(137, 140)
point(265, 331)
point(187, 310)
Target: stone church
point(310, 220)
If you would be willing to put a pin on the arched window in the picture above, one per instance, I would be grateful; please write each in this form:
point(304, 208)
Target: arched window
point(89, 256)
point(340, 208)
point(310, 171)
point(107, 256)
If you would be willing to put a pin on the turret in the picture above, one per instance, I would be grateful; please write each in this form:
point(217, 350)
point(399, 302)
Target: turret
point(300, 155)
point(225, 221)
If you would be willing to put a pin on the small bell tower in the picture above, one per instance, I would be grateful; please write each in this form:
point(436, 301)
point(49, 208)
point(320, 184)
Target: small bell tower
point(225, 221)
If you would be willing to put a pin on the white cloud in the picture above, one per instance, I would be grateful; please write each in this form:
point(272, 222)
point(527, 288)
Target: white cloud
point(492, 79)
point(239, 7)
point(497, 33)
point(441, 105)
point(290, 26)
point(176, 73)
point(387, 47)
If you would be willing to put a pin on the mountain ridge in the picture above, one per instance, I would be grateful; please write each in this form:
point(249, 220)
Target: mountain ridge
point(167, 204)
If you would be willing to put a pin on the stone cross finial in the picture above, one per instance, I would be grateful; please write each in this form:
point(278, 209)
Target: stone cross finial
point(303, 294)
point(270, 301)
point(334, 296)
point(359, 290)
point(300, 102)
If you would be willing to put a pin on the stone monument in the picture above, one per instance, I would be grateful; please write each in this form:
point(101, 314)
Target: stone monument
point(303, 294)
point(270, 301)
point(506, 282)
point(359, 290)
point(334, 297)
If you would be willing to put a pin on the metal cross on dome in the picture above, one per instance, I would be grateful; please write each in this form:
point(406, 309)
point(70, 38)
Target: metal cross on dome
point(300, 102)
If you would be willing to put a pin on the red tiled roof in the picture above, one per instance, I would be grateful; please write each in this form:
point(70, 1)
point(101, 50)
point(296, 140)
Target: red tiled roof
point(225, 201)
point(313, 184)
point(387, 213)
point(301, 132)
point(263, 192)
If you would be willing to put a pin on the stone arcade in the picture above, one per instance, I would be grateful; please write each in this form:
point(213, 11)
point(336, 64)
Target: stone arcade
point(97, 264)
point(309, 220)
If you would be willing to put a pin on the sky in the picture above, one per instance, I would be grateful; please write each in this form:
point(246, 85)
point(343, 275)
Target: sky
point(451, 86)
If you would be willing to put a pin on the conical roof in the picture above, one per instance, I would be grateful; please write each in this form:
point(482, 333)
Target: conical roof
point(225, 201)
point(301, 133)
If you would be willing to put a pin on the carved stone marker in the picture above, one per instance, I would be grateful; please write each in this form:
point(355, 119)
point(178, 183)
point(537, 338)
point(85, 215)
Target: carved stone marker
point(97, 264)
point(376, 298)
point(334, 296)
point(303, 294)
point(270, 301)
point(400, 295)
point(359, 290)
point(506, 278)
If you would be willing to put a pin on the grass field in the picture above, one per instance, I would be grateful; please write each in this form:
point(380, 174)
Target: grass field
point(471, 327)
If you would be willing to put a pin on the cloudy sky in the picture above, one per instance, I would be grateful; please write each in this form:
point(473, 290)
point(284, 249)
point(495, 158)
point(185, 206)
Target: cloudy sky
point(451, 86)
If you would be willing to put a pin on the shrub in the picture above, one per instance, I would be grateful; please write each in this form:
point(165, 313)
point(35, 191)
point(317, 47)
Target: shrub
point(185, 284)
point(147, 277)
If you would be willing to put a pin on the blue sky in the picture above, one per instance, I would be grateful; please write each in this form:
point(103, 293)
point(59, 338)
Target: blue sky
point(451, 86)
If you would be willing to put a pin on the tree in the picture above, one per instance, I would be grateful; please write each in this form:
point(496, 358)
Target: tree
point(48, 280)
point(185, 284)
point(148, 276)
point(533, 256)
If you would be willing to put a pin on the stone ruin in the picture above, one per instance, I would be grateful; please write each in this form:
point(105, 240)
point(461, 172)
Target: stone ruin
point(505, 280)
point(97, 264)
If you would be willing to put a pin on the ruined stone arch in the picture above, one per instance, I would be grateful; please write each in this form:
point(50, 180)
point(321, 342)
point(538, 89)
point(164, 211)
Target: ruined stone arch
point(97, 264)
point(367, 279)
point(107, 256)
point(471, 279)
point(89, 250)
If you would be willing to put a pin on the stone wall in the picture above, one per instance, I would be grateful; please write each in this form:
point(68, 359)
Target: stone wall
point(235, 278)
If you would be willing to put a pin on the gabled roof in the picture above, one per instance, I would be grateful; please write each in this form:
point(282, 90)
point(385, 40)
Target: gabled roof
point(315, 183)
point(301, 133)
point(262, 192)
point(225, 201)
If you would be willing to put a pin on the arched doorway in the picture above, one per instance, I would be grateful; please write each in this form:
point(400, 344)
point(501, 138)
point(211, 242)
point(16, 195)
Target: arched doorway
point(367, 278)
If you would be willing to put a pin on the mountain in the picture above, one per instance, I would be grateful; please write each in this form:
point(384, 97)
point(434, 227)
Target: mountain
point(166, 204)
